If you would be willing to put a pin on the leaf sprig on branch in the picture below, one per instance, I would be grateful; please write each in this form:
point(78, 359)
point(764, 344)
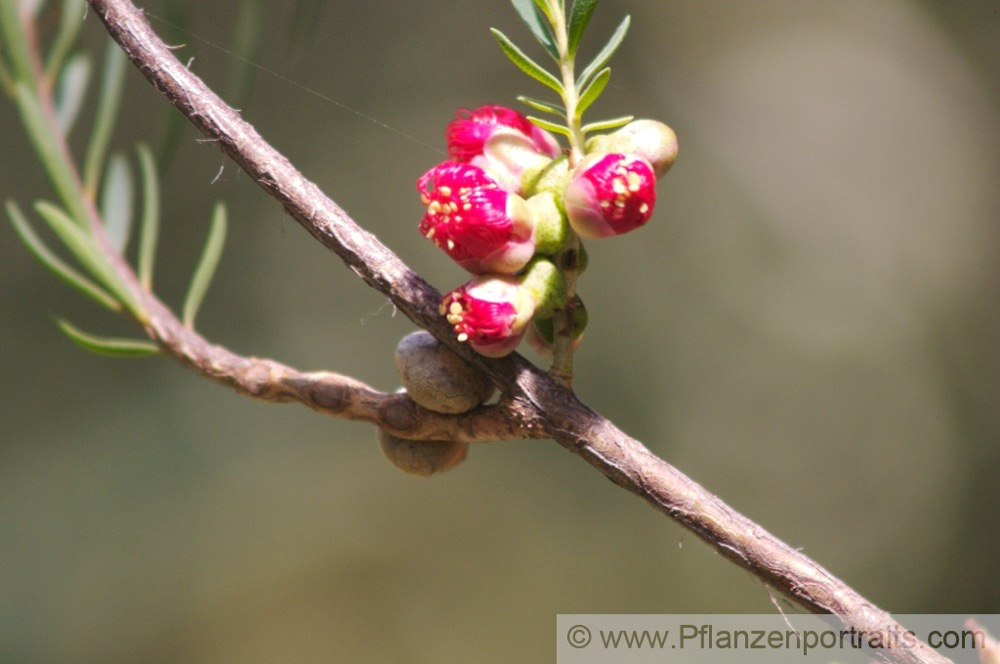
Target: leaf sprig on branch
point(560, 37)
point(95, 205)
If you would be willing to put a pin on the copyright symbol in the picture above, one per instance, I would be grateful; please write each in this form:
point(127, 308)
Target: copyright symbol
point(578, 636)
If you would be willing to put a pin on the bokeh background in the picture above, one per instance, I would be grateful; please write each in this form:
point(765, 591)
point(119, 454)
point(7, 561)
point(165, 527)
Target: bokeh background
point(808, 326)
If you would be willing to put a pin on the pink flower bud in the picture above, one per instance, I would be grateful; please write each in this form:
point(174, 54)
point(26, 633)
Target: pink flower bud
point(469, 131)
point(610, 194)
point(490, 313)
point(482, 227)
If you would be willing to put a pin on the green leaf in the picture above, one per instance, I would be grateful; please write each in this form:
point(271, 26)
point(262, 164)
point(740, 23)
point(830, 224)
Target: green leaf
point(593, 91)
point(543, 7)
point(55, 264)
point(605, 54)
point(526, 64)
point(107, 112)
point(112, 346)
point(82, 246)
point(578, 20)
point(602, 125)
point(206, 266)
point(49, 150)
point(70, 22)
point(550, 126)
point(6, 78)
point(116, 202)
point(543, 106)
point(70, 91)
point(531, 14)
point(14, 38)
point(33, 7)
point(149, 232)
point(245, 42)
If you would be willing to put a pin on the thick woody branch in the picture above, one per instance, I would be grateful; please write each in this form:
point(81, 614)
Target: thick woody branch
point(535, 403)
point(324, 391)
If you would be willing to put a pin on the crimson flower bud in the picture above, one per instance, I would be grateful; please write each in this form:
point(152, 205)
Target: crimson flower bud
point(490, 313)
point(470, 130)
point(610, 194)
point(482, 227)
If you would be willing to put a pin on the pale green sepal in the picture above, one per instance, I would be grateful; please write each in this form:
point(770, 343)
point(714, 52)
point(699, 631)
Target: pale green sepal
point(552, 229)
point(546, 284)
point(553, 179)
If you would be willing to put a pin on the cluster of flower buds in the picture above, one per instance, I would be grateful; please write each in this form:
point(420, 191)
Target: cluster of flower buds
point(507, 201)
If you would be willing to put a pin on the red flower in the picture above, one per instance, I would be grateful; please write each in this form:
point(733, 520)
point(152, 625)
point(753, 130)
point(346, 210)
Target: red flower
point(610, 194)
point(469, 131)
point(481, 226)
point(491, 314)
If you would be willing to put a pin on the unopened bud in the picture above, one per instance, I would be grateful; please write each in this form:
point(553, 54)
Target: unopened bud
point(650, 139)
point(610, 194)
point(491, 313)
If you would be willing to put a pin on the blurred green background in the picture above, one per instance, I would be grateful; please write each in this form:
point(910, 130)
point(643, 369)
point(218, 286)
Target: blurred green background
point(808, 326)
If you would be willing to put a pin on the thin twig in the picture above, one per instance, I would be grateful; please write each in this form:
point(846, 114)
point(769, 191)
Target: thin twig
point(536, 402)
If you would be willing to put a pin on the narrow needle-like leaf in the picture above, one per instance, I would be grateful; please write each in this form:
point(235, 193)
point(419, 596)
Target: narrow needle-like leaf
point(150, 230)
point(578, 20)
point(526, 64)
point(70, 22)
point(116, 202)
point(115, 347)
point(549, 126)
point(601, 59)
point(49, 150)
point(71, 88)
point(107, 112)
point(206, 266)
point(55, 264)
point(543, 106)
point(602, 125)
point(593, 91)
point(82, 246)
point(14, 38)
point(534, 19)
